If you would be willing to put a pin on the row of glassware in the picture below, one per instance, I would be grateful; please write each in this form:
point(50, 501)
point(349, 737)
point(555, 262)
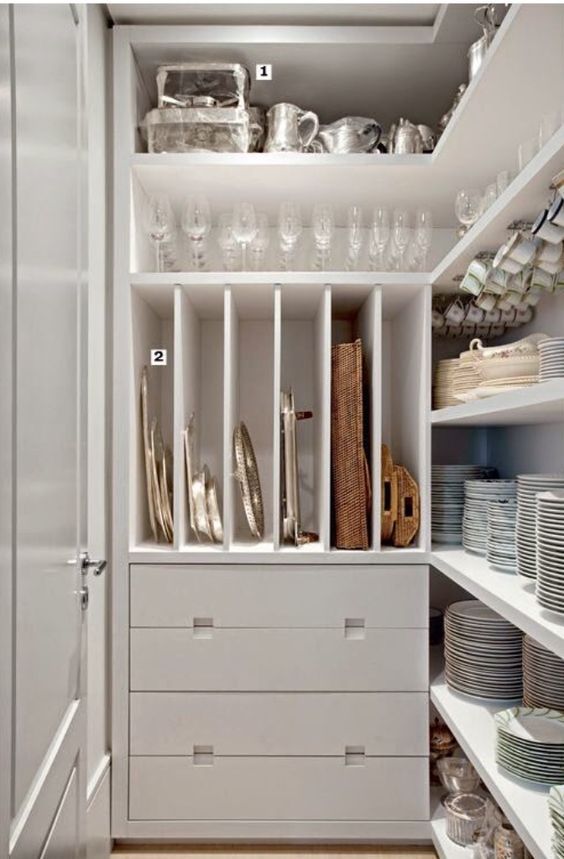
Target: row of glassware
point(392, 241)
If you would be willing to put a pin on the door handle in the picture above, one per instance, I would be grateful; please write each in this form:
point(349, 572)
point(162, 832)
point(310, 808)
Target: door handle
point(87, 563)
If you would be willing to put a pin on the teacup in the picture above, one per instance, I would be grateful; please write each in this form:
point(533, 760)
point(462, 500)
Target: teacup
point(474, 314)
point(437, 320)
point(545, 230)
point(468, 329)
point(496, 282)
point(497, 330)
point(475, 277)
point(548, 252)
point(533, 296)
point(508, 315)
point(455, 313)
point(513, 298)
point(523, 314)
point(541, 279)
point(556, 212)
point(519, 282)
point(454, 331)
point(504, 261)
point(492, 316)
point(482, 330)
point(486, 302)
point(520, 248)
point(550, 267)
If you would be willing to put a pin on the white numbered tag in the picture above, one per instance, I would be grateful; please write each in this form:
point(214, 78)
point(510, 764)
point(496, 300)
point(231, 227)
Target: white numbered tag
point(158, 357)
point(264, 72)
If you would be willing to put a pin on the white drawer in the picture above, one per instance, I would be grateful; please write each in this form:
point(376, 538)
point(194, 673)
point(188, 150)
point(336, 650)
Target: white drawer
point(283, 723)
point(253, 788)
point(278, 660)
point(279, 596)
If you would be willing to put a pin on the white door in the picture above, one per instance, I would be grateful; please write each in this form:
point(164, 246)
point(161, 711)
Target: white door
point(44, 747)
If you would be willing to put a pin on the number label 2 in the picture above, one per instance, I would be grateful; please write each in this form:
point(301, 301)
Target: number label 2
point(263, 72)
point(158, 357)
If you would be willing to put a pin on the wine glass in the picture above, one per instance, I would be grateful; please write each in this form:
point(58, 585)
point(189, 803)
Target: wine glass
point(159, 223)
point(196, 223)
point(423, 234)
point(323, 224)
point(380, 235)
point(244, 227)
point(227, 242)
point(467, 207)
point(401, 232)
point(355, 236)
point(260, 242)
point(289, 229)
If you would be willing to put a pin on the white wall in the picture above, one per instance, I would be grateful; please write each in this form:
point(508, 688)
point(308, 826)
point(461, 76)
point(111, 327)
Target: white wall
point(97, 50)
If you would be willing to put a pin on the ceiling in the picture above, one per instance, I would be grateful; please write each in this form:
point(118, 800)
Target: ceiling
point(264, 12)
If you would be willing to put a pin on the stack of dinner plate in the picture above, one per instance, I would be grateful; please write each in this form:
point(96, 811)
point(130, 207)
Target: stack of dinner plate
point(447, 499)
point(502, 519)
point(530, 743)
point(543, 676)
point(443, 385)
point(478, 495)
point(550, 550)
point(556, 809)
point(466, 377)
point(528, 487)
point(483, 652)
point(551, 359)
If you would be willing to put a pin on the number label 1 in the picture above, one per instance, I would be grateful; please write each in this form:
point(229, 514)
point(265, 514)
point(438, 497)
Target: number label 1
point(264, 72)
point(158, 357)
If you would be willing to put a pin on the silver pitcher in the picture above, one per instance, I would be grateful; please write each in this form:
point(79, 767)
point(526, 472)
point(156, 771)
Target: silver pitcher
point(485, 17)
point(350, 134)
point(290, 129)
point(404, 138)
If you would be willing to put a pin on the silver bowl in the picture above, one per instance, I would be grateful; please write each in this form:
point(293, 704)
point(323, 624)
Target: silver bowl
point(457, 775)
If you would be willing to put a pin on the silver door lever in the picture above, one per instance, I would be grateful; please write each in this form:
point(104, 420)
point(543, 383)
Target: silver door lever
point(87, 563)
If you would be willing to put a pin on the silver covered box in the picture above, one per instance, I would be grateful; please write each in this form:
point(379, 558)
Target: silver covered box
point(228, 84)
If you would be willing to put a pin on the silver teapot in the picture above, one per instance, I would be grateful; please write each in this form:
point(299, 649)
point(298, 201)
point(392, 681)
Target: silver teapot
point(350, 134)
point(404, 138)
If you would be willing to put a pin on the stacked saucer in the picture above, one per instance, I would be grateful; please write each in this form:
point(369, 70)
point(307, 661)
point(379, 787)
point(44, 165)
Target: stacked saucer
point(483, 652)
point(543, 676)
point(501, 549)
point(443, 385)
point(530, 743)
point(551, 359)
point(528, 486)
point(447, 500)
point(556, 808)
point(466, 377)
point(550, 550)
point(478, 496)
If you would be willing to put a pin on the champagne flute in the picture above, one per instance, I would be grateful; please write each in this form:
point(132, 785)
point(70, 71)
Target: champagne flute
point(401, 234)
point(227, 242)
point(423, 234)
point(290, 229)
point(260, 242)
point(159, 223)
point(244, 227)
point(323, 224)
point(355, 236)
point(380, 234)
point(196, 223)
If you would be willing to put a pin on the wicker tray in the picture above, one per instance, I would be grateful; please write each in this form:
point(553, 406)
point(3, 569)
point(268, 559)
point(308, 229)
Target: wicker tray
point(349, 488)
point(389, 496)
point(408, 508)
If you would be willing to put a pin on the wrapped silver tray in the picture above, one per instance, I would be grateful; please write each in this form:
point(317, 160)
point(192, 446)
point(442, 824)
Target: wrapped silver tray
point(206, 129)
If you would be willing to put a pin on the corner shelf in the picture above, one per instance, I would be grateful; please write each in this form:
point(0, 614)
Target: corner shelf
point(525, 805)
point(538, 404)
point(507, 593)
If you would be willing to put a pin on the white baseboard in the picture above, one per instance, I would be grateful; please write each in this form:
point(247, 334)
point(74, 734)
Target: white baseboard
point(99, 842)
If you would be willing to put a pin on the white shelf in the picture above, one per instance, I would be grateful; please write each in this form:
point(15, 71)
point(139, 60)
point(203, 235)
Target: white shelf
point(445, 848)
point(507, 593)
point(149, 553)
point(538, 404)
point(525, 805)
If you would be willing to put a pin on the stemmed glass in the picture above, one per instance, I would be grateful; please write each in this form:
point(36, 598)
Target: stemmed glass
point(227, 242)
point(160, 225)
point(380, 236)
point(196, 223)
point(355, 236)
point(401, 233)
point(467, 207)
point(323, 224)
point(289, 229)
point(244, 227)
point(423, 235)
point(260, 242)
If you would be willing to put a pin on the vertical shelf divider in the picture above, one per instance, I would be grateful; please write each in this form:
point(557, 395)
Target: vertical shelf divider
point(231, 398)
point(179, 484)
point(276, 490)
point(323, 408)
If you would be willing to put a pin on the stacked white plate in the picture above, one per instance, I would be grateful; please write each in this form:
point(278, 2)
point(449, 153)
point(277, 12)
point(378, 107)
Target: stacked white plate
point(466, 377)
point(528, 486)
point(543, 676)
point(530, 743)
point(478, 495)
point(551, 359)
point(502, 520)
point(447, 499)
point(443, 386)
point(556, 808)
point(502, 386)
point(483, 652)
point(550, 550)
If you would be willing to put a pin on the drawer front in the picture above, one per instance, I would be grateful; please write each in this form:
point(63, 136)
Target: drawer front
point(162, 788)
point(286, 723)
point(278, 660)
point(279, 596)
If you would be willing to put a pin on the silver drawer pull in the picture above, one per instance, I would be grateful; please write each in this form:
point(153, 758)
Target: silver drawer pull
point(355, 756)
point(355, 627)
point(203, 627)
point(202, 756)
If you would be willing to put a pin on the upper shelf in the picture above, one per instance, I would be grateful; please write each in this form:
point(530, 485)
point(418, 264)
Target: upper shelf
point(538, 404)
